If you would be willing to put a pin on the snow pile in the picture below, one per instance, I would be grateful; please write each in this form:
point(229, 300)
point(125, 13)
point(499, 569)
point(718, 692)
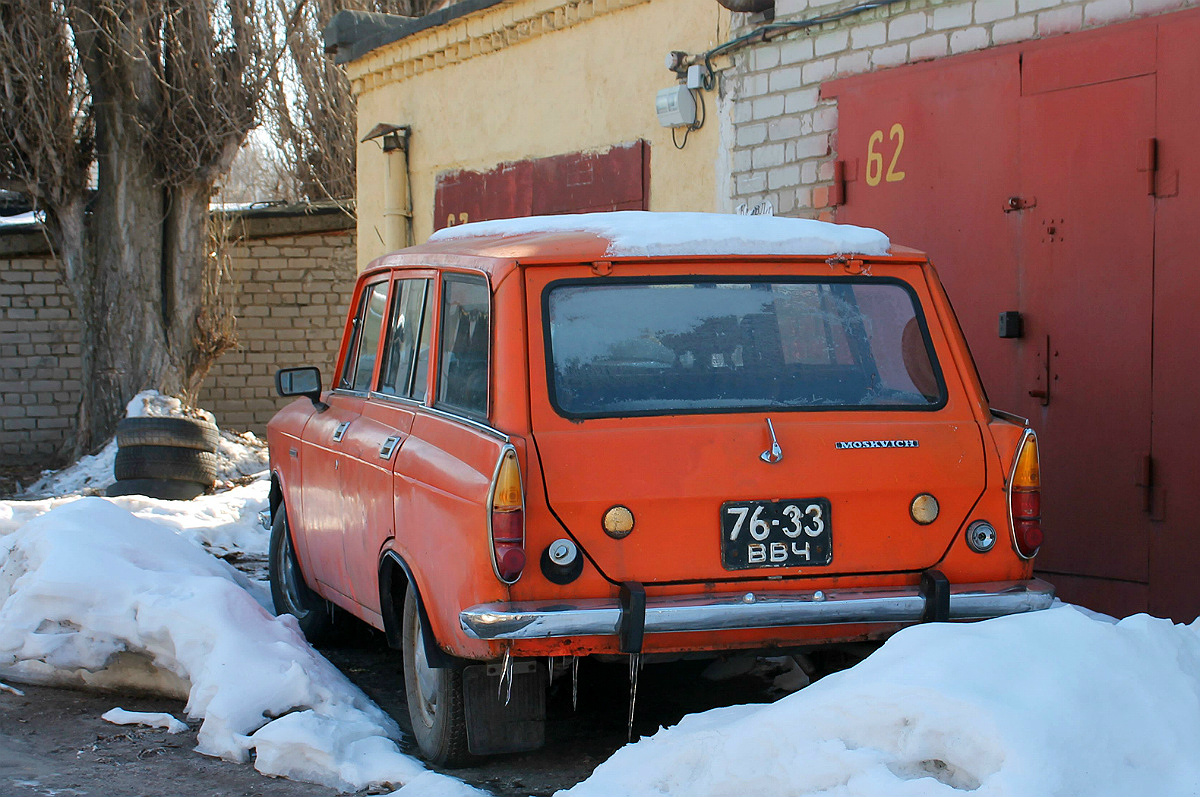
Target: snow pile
point(637, 233)
point(239, 456)
point(1050, 703)
point(91, 595)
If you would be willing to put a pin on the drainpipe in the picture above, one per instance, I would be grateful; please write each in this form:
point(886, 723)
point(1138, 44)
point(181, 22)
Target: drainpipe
point(397, 187)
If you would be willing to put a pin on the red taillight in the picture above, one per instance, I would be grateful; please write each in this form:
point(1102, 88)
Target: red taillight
point(508, 519)
point(1025, 498)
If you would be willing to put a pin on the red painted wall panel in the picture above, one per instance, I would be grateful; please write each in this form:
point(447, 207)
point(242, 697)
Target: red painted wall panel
point(580, 182)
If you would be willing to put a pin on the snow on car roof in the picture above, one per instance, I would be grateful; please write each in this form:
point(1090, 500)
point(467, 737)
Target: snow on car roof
point(636, 233)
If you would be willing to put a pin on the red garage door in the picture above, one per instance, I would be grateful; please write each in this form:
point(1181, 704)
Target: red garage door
point(1037, 178)
point(580, 182)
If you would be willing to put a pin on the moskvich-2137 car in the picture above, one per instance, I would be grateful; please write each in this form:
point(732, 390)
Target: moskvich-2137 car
point(643, 435)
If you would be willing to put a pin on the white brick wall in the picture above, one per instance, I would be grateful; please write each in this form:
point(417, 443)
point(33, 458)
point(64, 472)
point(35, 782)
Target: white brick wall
point(774, 86)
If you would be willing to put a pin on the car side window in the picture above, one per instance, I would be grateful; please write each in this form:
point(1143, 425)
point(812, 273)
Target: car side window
point(364, 343)
point(406, 352)
point(464, 343)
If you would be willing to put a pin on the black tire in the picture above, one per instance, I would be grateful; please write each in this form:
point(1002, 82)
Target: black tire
point(166, 462)
point(435, 698)
point(167, 489)
point(176, 432)
point(289, 592)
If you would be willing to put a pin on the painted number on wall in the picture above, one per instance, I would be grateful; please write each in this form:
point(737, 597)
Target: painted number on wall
point(875, 172)
point(462, 219)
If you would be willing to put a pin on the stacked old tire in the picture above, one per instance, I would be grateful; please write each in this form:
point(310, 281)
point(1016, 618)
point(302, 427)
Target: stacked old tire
point(165, 457)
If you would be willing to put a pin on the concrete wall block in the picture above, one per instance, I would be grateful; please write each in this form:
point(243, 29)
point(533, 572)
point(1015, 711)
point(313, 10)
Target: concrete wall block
point(854, 63)
point(1013, 30)
point(835, 41)
point(957, 15)
point(994, 10)
point(927, 47)
point(751, 183)
point(783, 128)
point(886, 57)
point(801, 101)
point(825, 118)
point(817, 71)
point(814, 146)
point(768, 156)
point(1141, 7)
point(768, 107)
point(797, 50)
point(872, 34)
point(783, 177)
point(1029, 6)
point(1103, 11)
point(785, 79)
point(765, 56)
point(907, 26)
point(962, 41)
point(749, 135)
point(1067, 19)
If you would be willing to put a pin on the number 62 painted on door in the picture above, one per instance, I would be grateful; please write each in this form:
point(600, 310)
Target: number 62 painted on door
point(875, 173)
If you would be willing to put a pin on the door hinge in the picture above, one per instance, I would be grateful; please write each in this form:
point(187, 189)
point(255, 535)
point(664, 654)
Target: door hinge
point(1148, 163)
point(837, 191)
point(1153, 496)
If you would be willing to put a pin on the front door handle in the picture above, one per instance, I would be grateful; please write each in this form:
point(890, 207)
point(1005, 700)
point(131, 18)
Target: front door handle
point(340, 431)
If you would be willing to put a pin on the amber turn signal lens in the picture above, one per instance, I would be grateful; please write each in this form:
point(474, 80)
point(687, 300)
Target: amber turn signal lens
point(924, 509)
point(1028, 473)
point(508, 496)
point(618, 522)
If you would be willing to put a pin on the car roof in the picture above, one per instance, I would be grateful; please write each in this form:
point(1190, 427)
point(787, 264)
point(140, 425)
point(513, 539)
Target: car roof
point(498, 246)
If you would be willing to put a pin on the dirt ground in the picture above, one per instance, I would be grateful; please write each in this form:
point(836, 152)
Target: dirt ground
point(54, 744)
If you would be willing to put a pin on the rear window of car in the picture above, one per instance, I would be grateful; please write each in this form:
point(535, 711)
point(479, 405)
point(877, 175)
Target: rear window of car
point(659, 347)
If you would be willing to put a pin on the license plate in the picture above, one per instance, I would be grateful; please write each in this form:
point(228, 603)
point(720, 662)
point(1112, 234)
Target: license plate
point(790, 533)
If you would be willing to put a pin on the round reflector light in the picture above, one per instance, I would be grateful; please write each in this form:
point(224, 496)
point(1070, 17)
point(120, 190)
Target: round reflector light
point(618, 522)
point(924, 509)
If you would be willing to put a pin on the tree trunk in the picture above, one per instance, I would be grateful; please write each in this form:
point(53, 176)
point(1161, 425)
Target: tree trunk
point(129, 319)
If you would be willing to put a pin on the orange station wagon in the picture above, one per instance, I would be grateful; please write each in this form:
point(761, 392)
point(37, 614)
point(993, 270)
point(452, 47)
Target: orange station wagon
point(642, 434)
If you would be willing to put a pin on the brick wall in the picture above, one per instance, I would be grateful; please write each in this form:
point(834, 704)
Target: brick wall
point(782, 145)
point(292, 274)
point(39, 353)
point(290, 296)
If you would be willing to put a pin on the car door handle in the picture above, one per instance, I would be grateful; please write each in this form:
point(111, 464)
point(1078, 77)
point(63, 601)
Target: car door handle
point(340, 431)
point(389, 447)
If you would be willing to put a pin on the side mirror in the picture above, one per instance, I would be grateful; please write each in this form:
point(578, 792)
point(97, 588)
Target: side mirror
point(303, 381)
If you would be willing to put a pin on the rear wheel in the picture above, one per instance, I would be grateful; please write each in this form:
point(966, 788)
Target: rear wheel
point(288, 590)
point(435, 697)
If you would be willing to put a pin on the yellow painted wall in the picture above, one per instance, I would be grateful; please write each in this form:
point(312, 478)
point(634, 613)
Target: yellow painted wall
point(529, 79)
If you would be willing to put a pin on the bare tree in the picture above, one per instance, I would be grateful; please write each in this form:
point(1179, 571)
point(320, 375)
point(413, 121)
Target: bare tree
point(310, 110)
point(162, 93)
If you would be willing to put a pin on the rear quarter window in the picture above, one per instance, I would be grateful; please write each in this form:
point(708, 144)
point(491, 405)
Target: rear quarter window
point(643, 347)
point(464, 345)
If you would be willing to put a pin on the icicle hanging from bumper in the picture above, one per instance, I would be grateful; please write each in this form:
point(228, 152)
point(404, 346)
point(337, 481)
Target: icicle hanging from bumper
point(635, 666)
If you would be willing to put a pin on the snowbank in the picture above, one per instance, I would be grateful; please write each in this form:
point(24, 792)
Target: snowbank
point(1050, 703)
point(636, 233)
point(91, 595)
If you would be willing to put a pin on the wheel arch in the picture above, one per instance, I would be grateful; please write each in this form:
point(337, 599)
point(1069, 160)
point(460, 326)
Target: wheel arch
point(274, 495)
point(395, 579)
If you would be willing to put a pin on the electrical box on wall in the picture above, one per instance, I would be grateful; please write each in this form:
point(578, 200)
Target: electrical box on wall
point(676, 107)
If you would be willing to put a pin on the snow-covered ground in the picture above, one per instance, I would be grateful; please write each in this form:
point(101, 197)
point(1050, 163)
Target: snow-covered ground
point(133, 591)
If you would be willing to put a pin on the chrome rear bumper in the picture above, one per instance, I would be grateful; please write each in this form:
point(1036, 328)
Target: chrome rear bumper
point(603, 617)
